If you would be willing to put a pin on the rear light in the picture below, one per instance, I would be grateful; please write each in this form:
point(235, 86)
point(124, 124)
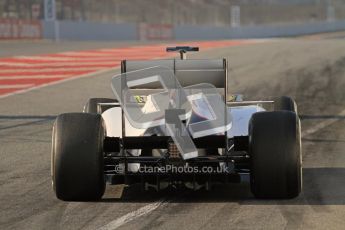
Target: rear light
point(173, 151)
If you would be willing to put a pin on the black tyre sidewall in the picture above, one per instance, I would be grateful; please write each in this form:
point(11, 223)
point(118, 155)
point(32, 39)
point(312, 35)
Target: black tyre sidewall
point(275, 151)
point(77, 157)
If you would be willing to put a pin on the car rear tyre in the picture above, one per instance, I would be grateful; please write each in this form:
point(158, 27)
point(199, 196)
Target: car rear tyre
point(285, 103)
point(275, 152)
point(92, 105)
point(77, 157)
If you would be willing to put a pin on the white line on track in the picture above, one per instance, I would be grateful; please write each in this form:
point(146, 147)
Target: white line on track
point(322, 125)
point(133, 215)
point(57, 64)
point(4, 63)
point(67, 58)
point(88, 54)
point(37, 76)
point(39, 70)
point(83, 58)
point(15, 86)
point(43, 58)
point(103, 53)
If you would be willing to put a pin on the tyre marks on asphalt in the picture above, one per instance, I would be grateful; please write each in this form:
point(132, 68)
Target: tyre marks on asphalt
point(133, 215)
point(323, 124)
point(23, 73)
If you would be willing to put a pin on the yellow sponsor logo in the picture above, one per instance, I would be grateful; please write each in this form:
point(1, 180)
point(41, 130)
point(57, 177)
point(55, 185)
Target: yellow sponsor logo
point(140, 99)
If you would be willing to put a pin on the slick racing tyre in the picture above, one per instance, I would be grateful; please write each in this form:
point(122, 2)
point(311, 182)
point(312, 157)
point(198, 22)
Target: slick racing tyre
point(284, 103)
point(275, 152)
point(77, 157)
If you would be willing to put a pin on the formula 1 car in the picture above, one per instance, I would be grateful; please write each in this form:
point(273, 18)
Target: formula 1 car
point(173, 123)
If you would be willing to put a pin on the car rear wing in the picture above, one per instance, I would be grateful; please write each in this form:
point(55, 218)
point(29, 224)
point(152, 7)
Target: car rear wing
point(188, 72)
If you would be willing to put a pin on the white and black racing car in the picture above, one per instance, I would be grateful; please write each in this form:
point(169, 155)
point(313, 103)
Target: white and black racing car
point(173, 123)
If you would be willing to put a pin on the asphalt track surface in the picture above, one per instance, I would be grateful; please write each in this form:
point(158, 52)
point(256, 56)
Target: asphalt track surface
point(310, 70)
